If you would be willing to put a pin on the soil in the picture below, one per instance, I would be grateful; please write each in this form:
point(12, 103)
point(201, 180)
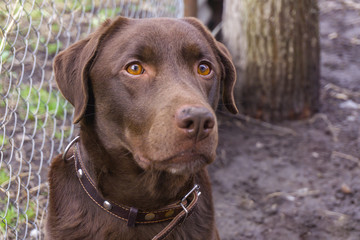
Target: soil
point(298, 180)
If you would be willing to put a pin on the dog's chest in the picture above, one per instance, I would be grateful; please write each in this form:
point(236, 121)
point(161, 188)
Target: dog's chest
point(74, 215)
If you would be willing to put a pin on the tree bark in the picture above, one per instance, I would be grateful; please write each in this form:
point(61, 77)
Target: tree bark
point(190, 8)
point(275, 46)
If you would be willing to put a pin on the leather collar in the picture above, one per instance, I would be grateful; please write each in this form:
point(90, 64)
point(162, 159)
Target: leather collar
point(176, 212)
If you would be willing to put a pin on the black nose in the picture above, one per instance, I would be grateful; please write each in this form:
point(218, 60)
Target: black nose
point(197, 122)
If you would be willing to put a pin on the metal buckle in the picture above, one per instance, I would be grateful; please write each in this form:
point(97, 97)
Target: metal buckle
point(196, 188)
point(69, 146)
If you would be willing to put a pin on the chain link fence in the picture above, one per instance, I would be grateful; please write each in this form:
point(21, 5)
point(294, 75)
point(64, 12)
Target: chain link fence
point(35, 120)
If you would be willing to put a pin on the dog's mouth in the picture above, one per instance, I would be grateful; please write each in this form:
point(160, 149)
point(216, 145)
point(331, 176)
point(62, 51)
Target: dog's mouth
point(188, 161)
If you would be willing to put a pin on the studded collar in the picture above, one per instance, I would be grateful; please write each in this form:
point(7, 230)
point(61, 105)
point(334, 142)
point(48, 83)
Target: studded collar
point(176, 213)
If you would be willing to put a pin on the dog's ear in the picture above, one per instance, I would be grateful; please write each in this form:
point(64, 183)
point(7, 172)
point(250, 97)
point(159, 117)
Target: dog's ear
point(228, 78)
point(72, 66)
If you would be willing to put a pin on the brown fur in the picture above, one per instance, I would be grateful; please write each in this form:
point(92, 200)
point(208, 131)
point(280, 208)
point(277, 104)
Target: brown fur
point(129, 139)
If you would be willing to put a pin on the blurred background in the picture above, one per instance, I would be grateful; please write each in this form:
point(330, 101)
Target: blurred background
point(288, 163)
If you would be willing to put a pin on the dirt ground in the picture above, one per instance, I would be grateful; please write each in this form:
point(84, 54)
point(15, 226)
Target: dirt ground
point(299, 180)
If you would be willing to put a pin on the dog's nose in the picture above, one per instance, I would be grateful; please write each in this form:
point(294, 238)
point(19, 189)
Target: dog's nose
point(197, 122)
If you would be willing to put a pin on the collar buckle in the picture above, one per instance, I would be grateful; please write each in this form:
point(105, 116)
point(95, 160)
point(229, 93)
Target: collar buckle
point(68, 147)
point(195, 190)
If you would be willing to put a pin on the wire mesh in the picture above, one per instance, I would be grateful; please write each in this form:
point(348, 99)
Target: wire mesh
point(35, 120)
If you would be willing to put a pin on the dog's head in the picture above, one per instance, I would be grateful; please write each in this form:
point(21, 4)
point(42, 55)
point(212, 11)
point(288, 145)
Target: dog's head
point(151, 86)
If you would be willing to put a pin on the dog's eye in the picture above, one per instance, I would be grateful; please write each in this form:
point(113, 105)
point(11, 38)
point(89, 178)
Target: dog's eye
point(135, 69)
point(204, 69)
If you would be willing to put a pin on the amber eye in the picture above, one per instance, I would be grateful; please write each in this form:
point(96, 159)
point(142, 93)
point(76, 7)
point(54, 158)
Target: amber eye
point(204, 69)
point(135, 69)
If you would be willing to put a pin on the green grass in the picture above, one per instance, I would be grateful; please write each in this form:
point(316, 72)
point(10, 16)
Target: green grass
point(3, 142)
point(7, 55)
point(12, 215)
point(41, 101)
point(4, 177)
point(53, 47)
point(66, 134)
point(43, 106)
point(103, 14)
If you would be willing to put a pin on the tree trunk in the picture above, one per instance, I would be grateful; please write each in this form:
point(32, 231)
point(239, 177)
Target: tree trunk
point(275, 46)
point(190, 8)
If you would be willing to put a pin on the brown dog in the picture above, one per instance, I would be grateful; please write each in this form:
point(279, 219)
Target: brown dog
point(144, 93)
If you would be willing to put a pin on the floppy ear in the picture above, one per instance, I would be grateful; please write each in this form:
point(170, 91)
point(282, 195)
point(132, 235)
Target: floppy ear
point(72, 67)
point(228, 77)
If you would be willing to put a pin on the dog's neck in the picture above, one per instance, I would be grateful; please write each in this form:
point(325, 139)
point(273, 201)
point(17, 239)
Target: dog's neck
point(120, 179)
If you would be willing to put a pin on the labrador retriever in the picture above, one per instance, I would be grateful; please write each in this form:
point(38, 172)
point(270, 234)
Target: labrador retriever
point(144, 94)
